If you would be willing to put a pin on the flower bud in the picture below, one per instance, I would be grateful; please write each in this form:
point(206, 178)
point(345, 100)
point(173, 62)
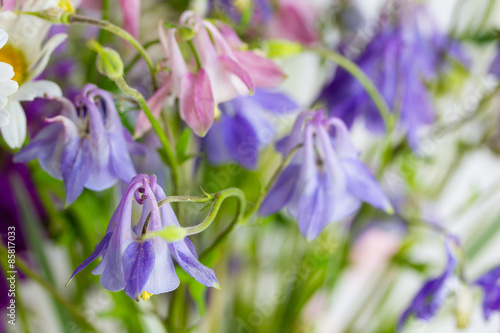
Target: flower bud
point(108, 62)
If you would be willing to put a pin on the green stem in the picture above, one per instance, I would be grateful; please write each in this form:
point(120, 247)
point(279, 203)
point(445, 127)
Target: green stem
point(219, 198)
point(28, 272)
point(364, 80)
point(77, 19)
point(169, 153)
point(138, 56)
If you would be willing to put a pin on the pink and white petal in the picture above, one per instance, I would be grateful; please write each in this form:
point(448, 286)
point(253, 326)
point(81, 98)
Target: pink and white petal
point(14, 132)
point(8, 5)
point(155, 103)
point(233, 67)
point(264, 72)
point(175, 59)
point(38, 65)
point(197, 102)
point(230, 36)
point(33, 89)
point(131, 13)
point(222, 45)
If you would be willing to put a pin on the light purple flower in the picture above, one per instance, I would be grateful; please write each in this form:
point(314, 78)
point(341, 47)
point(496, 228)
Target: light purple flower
point(326, 181)
point(86, 146)
point(401, 59)
point(435, 292)
point(144, 267)
point(489, 283)
point(246, 126)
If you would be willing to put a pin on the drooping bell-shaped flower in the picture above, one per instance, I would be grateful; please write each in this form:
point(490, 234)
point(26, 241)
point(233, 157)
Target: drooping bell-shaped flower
point(489, 282)
point(325, 181)
point(245, 126)
point(86, 145)
point(401, 59)
point(434, 292)
point(143, 267)
point(215, 70)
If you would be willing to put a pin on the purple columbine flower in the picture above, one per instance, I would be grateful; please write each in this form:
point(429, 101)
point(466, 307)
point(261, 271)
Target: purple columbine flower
point(86, 146)
point(489, 283)
point(246, 126)
point(400, 60)
point(325, 181)
point(435, 291)
point(144, 267)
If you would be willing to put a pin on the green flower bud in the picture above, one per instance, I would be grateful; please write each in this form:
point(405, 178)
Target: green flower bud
point(108, 62)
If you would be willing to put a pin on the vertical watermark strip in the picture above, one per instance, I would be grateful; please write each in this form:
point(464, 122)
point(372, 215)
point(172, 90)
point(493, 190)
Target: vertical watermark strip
point(11, 275)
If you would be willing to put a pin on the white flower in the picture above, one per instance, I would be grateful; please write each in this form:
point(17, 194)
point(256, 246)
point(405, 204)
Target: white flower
point(28, 57)
point(7, 85)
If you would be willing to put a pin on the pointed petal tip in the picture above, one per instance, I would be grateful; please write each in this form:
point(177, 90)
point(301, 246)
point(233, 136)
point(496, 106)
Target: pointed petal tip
point(389, 209)
point(216, 285)
point(69, 280)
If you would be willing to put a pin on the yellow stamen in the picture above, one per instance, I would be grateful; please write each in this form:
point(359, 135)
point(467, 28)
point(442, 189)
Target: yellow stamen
point(66, 6)
point(217, 112)
point(16, 59)
point(145, 295)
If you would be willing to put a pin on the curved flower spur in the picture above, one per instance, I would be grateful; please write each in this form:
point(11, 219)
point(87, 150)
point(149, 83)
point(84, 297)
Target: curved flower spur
point(139, 265)
point(325, 180)
point(86, 146)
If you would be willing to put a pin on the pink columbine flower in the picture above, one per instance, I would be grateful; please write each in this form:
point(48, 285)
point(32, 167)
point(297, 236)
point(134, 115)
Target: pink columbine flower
point(216, 70)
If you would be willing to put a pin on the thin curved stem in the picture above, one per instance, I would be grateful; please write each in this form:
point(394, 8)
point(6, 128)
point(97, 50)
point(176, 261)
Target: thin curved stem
point(174, 199)
point(169, 153)
point(364, 80)
point(77, 19)
point(217, 199)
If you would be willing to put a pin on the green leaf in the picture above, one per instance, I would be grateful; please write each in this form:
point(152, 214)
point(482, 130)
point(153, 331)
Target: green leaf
point(182, 146)
point(198, 292)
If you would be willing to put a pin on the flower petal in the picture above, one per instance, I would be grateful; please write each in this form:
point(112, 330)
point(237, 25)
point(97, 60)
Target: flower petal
point(233, 67)
point(76, 167)
point(41, 62)
point(263, 72)
point(197, 102)
point(14, 132)
point(155, 103)
point(138, 263)
point(361, 183)
point(282, 191)
point(189, 263)
point(131, 13)
point(99, 248)
point(30, 90)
